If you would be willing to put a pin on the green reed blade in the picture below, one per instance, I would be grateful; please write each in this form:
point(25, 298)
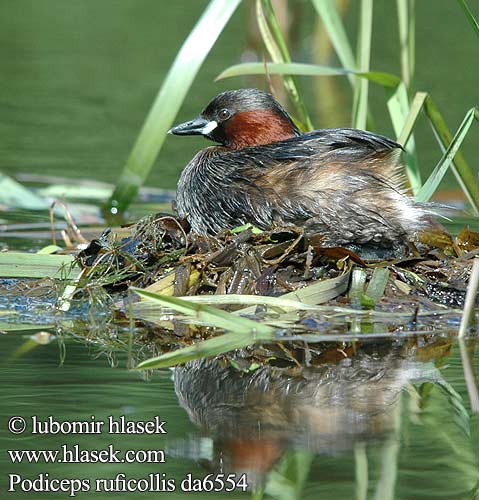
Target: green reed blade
point(317, 293)
point(275, 44)
point(410, 121)
point(445, 162)
point(22, 328)
point(469, 15)
point(361, 471)
point(14, 195)
point(246, 300)
point(399, 111)
point(36, 265)
point(460, 168)
point(361, 89)
point(377, 284)
point(209, 314)
point(333, 24)
point(168, 101)
point(407, 38)
point(271, 31)
point(387, 80)
point(289, 476)
point(204, 349)
point(246, 331)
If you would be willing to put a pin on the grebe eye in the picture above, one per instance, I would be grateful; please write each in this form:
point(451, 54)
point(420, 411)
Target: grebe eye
point(224, 114)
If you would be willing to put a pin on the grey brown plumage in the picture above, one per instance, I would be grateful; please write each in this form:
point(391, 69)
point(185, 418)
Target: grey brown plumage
point(345, 184)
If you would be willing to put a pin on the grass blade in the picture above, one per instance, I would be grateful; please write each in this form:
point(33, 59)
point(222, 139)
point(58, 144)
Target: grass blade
point(387, 80)
point(361, 89)
point(361, 471)
point(333, 23)
point(22, 328)
point(278, 51)
point(461, 169)
point(377, 284)
point(317, 293)
point(406, 20)
point(470, 16)
point(169, 99)
point(206, 348)
point(356, 290)
point(321, 291)
point(34, 265)
point(410, 121)
point(13, 194)
point(238, 299)
point(246, 332)
point(445, 162)
point(334, 26)
point(287, 479)
point(211, 315)
point(399, 111)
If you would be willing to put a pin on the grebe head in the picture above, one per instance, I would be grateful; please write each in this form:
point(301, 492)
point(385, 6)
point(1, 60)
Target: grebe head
point(241, 118)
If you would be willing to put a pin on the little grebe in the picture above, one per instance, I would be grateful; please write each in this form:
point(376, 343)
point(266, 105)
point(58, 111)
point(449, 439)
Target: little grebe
point(345, 184)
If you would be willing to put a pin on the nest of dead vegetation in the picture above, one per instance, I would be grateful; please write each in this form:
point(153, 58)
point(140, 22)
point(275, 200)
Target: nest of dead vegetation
point(161, 255)
point(421, 293)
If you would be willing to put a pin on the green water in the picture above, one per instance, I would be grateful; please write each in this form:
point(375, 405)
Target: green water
point(392, 422)
point(76, 80)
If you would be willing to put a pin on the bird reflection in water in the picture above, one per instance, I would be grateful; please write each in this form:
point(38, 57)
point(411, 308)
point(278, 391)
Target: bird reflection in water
point(255, 416)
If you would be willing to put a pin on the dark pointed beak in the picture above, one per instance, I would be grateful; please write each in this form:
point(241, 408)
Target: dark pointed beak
point(193, 127)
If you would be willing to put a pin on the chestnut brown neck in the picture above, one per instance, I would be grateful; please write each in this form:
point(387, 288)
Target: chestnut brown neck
point(253, 128)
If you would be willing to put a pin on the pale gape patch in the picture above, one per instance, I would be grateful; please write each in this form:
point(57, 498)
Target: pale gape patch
point(209, 127)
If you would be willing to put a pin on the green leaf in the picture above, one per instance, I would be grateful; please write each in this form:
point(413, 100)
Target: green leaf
point(245, 227)
point(356, 290)
point(168, 101)
point(246, 331)
point(287, 479)
point(278, 51)
point(207, 348)
point(238, 299)
point(399, 111)
point(35, 265)
point(361, 471)
point(334, 26)
point(407, 38)
point(466, 178)
point(316, 293)
point(14, 195)
point(377, 284)
point(445, 162)
point(385, 79)
point(210, 315)
point(361, 88)
point(49, 249)
point(6, 327)
point(470, 16)
point(410, 121)
point(470, 300)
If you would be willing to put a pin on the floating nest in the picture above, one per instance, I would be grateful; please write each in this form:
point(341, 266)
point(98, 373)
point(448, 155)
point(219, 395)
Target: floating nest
point(161, 255)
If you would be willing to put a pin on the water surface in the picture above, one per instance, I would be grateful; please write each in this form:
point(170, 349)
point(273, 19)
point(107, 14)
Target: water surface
point(392, 421)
